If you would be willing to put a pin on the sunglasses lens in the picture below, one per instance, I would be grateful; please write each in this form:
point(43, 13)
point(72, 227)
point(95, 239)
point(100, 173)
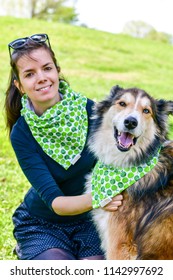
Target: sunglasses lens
point(39, 38)
point(17, 44)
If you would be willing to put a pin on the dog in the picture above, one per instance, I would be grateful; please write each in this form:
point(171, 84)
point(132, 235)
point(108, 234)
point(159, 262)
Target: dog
point(130, 128)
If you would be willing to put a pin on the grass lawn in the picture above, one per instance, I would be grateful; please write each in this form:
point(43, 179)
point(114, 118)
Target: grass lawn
point(92, 61)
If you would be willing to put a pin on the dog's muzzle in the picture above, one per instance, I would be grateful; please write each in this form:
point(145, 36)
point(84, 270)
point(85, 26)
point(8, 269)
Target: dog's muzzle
point(126, 139)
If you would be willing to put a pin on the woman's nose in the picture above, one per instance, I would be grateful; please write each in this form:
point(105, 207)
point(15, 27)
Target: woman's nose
point(41, 76)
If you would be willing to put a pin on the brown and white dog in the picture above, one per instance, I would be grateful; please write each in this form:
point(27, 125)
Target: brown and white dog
point(129, 127)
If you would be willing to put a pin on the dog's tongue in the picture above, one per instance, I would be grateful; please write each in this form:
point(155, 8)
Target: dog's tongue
point(126, 139)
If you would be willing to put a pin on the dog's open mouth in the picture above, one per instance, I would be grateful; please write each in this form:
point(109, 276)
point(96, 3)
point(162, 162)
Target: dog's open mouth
point(125, 140)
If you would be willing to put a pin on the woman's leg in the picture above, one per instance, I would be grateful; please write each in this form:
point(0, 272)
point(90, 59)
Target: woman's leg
point(54, 254)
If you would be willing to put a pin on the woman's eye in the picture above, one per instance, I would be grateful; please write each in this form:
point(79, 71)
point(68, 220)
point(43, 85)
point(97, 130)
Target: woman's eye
point(48, 68)
point(146, 111)
point(28, 75)
point(122, 104)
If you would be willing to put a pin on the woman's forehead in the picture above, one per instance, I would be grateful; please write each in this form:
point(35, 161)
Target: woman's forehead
point(36, 57)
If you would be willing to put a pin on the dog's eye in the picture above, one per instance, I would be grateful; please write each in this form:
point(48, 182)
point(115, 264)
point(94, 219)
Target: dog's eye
point(122, 104)
point(146, 111)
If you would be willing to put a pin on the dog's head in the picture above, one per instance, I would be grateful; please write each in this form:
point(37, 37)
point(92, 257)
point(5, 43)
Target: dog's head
point(135, 117)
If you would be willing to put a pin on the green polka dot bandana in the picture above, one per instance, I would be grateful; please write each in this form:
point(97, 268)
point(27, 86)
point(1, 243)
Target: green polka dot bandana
point(108, 181)
point(61, 130)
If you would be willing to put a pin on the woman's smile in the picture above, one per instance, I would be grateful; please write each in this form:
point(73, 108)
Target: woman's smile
point(44, 89)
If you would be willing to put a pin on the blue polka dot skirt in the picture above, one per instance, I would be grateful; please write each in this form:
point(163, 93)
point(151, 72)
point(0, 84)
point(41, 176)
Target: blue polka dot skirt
point(35, 235)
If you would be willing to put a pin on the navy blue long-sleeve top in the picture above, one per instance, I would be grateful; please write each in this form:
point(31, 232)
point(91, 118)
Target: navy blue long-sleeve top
point(49, 179)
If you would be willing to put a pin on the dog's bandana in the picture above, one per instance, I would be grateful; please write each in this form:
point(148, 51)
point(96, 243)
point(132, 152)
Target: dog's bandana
point(108, 181)
point(61, 130)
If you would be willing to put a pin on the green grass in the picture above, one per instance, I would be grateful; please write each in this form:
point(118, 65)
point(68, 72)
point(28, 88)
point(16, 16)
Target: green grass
point(92, 61)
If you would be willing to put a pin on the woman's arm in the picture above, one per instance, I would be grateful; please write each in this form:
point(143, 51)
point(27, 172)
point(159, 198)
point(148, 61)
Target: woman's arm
point(73, 205)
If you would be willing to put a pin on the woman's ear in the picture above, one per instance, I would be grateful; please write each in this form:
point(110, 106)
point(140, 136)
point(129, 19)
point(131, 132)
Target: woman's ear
point(18, 86)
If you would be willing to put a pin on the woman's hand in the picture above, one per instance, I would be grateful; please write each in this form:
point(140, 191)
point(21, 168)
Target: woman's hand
point(114, 204)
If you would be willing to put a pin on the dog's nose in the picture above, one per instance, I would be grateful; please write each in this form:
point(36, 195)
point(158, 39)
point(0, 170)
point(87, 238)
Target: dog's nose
point(130, 123)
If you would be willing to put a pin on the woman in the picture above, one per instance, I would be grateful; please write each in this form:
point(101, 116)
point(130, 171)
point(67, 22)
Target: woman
point(49, 124)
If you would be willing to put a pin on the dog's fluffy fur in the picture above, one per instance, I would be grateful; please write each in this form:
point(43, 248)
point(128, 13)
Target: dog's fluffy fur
point(129, 127)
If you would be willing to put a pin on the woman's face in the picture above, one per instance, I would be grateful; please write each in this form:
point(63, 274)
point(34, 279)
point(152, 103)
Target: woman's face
point(39, 79)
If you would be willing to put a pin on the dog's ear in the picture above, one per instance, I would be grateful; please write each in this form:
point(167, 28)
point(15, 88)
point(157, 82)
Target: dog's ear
point(114, 90)
point(165, 107)
point(102, 106)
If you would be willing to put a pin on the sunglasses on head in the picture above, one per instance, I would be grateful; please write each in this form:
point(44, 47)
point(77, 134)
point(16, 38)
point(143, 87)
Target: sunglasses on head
point(21, 42)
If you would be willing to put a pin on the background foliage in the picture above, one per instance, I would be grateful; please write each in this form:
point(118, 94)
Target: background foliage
point(53, 10)
point(92, 61)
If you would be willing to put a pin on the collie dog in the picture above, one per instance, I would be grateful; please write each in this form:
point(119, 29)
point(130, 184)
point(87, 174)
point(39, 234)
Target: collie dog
point(130, 130)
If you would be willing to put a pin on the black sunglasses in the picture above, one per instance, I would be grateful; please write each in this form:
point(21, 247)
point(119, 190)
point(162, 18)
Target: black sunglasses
point(21, 42)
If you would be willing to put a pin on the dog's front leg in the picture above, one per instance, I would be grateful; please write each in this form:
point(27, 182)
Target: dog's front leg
point(120, 244)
